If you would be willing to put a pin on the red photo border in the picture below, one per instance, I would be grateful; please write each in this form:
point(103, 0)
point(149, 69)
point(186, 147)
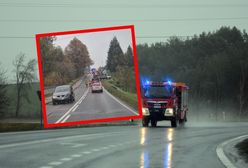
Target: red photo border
point(46, 124)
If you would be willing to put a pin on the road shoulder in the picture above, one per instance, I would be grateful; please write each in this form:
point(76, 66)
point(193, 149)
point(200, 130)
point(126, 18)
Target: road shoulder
point(229, 155)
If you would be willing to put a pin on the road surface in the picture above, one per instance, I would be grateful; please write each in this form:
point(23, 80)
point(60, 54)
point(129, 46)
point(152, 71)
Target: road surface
point(88, 106)
point(191, 146)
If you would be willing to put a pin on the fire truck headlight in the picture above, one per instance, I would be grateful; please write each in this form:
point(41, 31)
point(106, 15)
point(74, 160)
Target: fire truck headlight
point(169, 111)
point(145, 111)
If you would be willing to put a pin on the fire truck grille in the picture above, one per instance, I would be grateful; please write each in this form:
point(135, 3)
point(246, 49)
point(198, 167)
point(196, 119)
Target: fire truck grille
point(156, 105)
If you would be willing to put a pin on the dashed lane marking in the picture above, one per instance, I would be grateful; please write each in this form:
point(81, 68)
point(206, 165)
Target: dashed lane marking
point(66, 159)
point(96, 150)
point(77, 155)
point(76, 104)
point(86, 152)
point(55, 163)
point(105, 147)
point(73, 145)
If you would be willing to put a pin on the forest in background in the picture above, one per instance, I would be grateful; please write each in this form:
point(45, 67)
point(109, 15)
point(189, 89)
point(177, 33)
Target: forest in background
point(120, 66)
point(61, 67)
point(213, 64)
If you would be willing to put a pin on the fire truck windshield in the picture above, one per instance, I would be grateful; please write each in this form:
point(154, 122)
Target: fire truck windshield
point(157, 92)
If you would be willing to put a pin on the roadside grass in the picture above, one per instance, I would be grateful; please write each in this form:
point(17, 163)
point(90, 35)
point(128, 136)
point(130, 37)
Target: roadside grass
point(30, 109)
point(127, 97)
point(10, 127)
point(243, 149)
point(14, 127)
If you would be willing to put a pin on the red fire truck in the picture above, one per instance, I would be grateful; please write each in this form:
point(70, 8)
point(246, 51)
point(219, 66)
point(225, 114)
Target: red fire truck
point(164, 101)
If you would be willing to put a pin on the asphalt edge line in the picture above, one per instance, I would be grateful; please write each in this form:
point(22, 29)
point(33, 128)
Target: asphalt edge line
point(221, 154)
point(121, 102)
point(77, 103)
point(31, 142)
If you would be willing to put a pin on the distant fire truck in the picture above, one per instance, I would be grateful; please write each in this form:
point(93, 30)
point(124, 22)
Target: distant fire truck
point(164, 101)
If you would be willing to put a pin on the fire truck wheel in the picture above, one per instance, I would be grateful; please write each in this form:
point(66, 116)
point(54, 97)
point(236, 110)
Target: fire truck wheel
point(173, 123)
point(181, 121)
point(153, 122)
point(145, 121)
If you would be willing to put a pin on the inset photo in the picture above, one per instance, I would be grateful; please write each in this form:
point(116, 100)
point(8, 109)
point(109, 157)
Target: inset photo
point(88, 76)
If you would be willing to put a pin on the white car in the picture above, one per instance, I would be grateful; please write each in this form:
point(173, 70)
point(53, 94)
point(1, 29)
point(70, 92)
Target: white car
point(96, 86)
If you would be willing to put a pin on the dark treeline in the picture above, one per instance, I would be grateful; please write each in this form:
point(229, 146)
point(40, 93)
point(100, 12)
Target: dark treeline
point(60, 67)
point(120, 65)
point(214, 65)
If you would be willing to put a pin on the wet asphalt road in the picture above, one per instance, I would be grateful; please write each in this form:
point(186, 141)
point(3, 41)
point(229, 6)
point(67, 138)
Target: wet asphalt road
point(128, 146)
point(88, 106)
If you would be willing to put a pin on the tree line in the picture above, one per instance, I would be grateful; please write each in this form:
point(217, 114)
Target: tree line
point(19, 93)
point(120, 65)
point(60, 67)
point(213, 64)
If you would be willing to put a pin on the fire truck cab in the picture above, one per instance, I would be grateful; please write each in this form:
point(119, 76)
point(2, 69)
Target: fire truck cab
point(164, 101)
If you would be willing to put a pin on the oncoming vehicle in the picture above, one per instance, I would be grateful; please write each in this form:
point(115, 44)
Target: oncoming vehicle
point(164, 101)
point(96, 85)
point(63, 94)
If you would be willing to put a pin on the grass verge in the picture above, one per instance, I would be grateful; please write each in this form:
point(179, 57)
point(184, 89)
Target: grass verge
point(127, 97)
point(9, 127)
point(243, 149)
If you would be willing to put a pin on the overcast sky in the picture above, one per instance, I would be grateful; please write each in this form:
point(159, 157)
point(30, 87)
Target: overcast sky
point(98, 43)
point(154, 20)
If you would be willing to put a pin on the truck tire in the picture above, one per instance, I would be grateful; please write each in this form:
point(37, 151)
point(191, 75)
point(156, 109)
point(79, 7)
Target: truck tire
point(145, 121)
point(154, 123)
point(181, 121)
point(174, 123)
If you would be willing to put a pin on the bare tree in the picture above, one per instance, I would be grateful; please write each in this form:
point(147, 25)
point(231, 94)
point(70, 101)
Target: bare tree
point(3, 92)
point(24, 74)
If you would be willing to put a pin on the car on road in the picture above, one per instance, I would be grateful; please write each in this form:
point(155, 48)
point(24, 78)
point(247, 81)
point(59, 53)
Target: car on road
point(96, 86)
point(63, 94)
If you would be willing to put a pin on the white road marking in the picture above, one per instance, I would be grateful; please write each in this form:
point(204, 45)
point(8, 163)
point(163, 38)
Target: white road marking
point(105, 147)
point(86, 152)
point(56, 139)
point(76, 155)
point(73, 145)
point(76, 104)
point(121, 103)
point(96, 150)
point(64, 120)
point(75, 108)
point(112, 145)
point(55, 163)
point(221, 154)
point(66, 159)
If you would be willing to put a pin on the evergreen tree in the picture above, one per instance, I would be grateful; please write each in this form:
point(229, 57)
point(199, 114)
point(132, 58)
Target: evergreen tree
point(115, 55)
